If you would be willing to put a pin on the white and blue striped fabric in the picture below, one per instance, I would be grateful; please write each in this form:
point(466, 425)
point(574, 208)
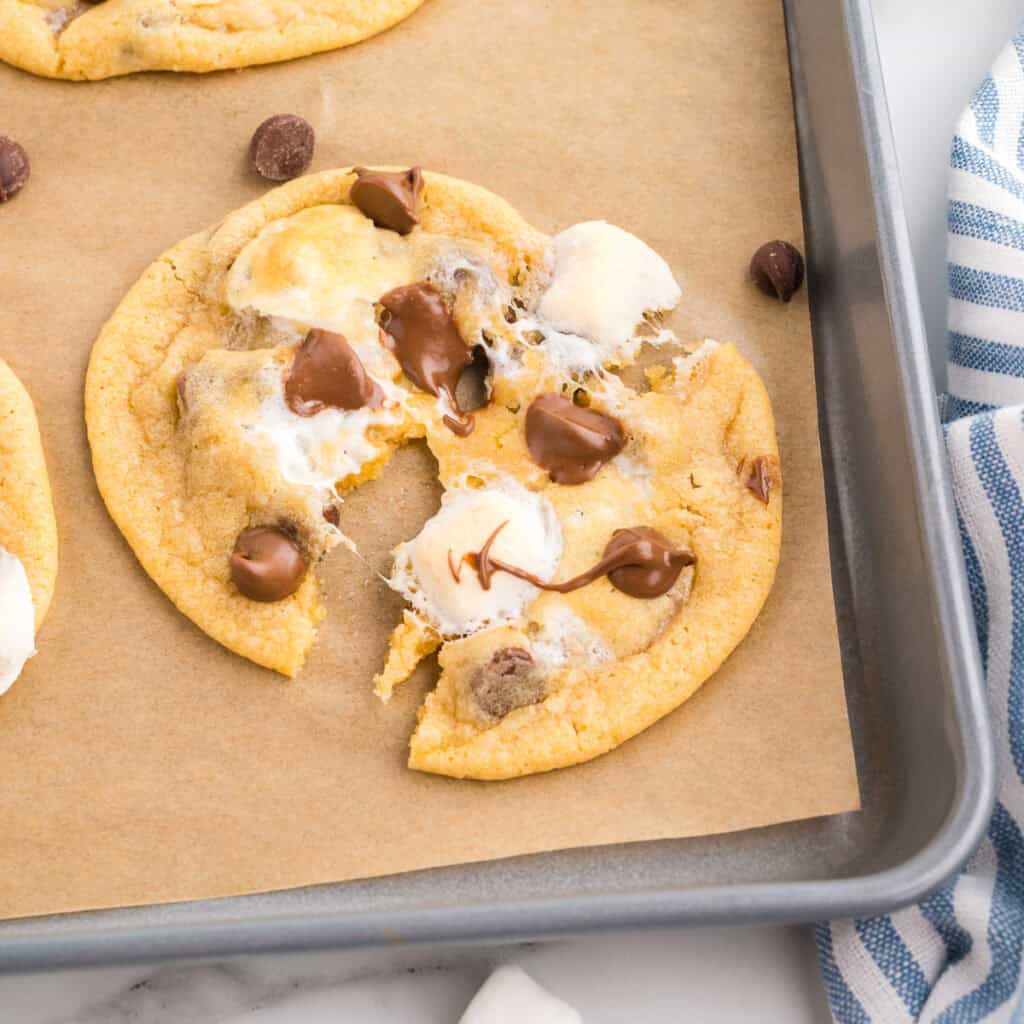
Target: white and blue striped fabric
point(956, 957)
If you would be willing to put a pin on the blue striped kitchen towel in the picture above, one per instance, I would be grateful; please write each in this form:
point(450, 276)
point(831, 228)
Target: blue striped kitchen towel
point(956, 957)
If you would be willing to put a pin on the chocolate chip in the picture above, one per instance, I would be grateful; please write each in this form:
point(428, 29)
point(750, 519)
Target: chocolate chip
point(777, 268)
point(267, 564)
point(761, 476)
point(326, 372)
point(509, 680)
point(14, 168)
point(421, 332)
point(389, 198)
point(571, 442)
point(332, 514)
point(282, 147)
point(648, 563)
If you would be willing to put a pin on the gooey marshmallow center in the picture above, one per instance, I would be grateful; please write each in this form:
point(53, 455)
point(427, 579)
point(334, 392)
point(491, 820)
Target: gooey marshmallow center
point(603, 281)
point(17, 619)
point(530, 540)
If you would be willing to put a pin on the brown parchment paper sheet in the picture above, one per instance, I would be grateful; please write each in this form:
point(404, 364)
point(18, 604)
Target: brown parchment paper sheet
point(143, 763)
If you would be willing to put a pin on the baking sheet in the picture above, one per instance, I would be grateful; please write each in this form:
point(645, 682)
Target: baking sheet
point(143, 763)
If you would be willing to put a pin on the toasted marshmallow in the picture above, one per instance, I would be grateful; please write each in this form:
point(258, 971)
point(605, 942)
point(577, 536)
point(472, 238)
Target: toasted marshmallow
point(17, 619)
point(324, 267)
point(530, 539)
point(604, 280)
point(511, 996)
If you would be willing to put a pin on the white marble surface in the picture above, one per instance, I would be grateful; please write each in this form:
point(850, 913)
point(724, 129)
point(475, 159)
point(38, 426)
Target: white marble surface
point(648, 979)
point(934, 53)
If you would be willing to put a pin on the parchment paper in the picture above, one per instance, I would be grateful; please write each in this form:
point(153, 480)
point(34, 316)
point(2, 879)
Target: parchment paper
point(139, 761)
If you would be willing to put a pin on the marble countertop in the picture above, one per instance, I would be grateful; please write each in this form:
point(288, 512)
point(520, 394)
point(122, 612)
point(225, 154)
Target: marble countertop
point(645, 978)
point(934, 52)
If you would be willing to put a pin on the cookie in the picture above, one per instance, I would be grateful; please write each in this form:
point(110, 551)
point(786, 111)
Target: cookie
point(28, 530)
point(600, 548)
point(93, 39)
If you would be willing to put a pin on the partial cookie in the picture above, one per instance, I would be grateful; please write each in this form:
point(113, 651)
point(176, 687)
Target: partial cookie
point(86, 39)
point(605, 665)
point(600, 549)
point(28, 530)
point(194, 442)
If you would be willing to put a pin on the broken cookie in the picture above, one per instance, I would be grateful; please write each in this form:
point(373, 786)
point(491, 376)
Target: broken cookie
point(599, 550)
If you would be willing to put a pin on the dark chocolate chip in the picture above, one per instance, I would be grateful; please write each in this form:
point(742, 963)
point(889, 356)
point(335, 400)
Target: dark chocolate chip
point(282, 147)
point(389, 198)
point(326, 372)
point(571, 442)
point(509, 680)
point(332, 515)
point(267, 564)
point(14, 168)
point(777, 268)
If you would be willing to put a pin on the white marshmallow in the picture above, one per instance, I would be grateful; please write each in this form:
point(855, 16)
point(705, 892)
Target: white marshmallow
point(604, 280)
point(17, 619)
point(511, 996)
point(317, 451)
point(323, 267)
point(530, 540)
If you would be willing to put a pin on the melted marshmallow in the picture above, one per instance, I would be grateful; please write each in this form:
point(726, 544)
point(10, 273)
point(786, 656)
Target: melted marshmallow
point(17, 619)
point(531, 540)
point(324, 267)
point(603, 282)
point(511, 996)
point(317, 451)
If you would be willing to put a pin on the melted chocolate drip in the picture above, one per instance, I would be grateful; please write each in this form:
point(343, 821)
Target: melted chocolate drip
point(421, 332)
point(640, 561)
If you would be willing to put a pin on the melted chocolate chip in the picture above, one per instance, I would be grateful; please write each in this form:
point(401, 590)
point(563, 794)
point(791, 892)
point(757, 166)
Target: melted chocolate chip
point(640, 561)
point(326, 372)
point(569, 441)
point(646, 563)
point(267, 564)
point(421, 332)
point(282, 147)
point(389, 198)
point(777, 268)
point(332, 515)
point(761, 476)
point(14, 168)
point(509, 680)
